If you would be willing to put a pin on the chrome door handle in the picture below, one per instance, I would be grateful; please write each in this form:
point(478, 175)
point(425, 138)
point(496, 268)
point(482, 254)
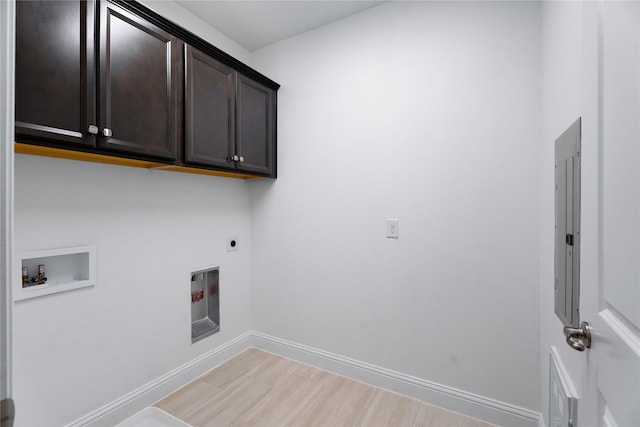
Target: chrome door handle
point(92, 129)
point(107, 132)
point(578, 338)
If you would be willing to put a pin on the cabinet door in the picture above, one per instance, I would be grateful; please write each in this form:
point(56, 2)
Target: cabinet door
point(138, 85)
point(256, 127)
point(209, 111)
point(55, 72)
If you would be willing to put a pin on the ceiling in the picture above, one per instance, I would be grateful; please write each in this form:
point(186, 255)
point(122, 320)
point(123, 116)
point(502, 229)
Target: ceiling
point(255, 24)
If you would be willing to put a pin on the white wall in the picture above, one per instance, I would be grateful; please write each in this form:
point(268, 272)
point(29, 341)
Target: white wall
point(561, 53)
point(569, 90)
point(77, 351)
point(181, 16)
point(426, 112)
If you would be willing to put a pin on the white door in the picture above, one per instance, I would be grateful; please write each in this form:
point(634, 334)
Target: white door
point(610, 299)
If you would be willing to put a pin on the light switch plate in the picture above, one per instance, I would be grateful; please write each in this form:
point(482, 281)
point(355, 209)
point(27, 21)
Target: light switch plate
point(393, 231)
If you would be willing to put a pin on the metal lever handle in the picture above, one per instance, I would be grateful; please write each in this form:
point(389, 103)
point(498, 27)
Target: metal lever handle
point(578, 338)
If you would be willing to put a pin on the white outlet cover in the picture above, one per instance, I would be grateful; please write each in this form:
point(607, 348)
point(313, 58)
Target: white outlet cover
point(232, 244)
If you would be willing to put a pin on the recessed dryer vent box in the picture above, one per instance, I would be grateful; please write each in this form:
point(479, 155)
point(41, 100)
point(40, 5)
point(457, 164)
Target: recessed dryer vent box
point(205, 303)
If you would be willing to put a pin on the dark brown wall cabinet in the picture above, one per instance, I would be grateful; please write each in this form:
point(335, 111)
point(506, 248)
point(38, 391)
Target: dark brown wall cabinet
point(131, 108)
point(139, 67)
point(256, 106)
point(210, 113)
point(229, 118)
point(55, 71)
point(110, 77)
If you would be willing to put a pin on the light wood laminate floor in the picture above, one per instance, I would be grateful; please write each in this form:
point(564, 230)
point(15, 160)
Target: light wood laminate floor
point(257, 388)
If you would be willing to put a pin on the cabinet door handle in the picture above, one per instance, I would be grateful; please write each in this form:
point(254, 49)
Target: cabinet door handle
point(92, 129)
point(107, 132)
point(235, 158)
point(241, 159)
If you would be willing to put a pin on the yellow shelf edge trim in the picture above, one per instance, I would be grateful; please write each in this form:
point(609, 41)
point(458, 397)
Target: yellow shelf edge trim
point(36, 150)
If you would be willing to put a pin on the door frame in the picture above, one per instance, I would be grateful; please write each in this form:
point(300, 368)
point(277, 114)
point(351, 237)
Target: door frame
point(7, 60)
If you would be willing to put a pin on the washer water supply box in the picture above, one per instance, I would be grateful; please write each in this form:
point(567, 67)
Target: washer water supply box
point(205, 303)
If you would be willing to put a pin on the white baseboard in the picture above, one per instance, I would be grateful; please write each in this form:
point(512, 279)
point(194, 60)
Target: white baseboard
point(541, 421)
point(473, 405)
point(122, 408)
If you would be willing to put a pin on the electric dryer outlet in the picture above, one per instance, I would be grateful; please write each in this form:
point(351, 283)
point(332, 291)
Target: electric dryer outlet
point(232, 244)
